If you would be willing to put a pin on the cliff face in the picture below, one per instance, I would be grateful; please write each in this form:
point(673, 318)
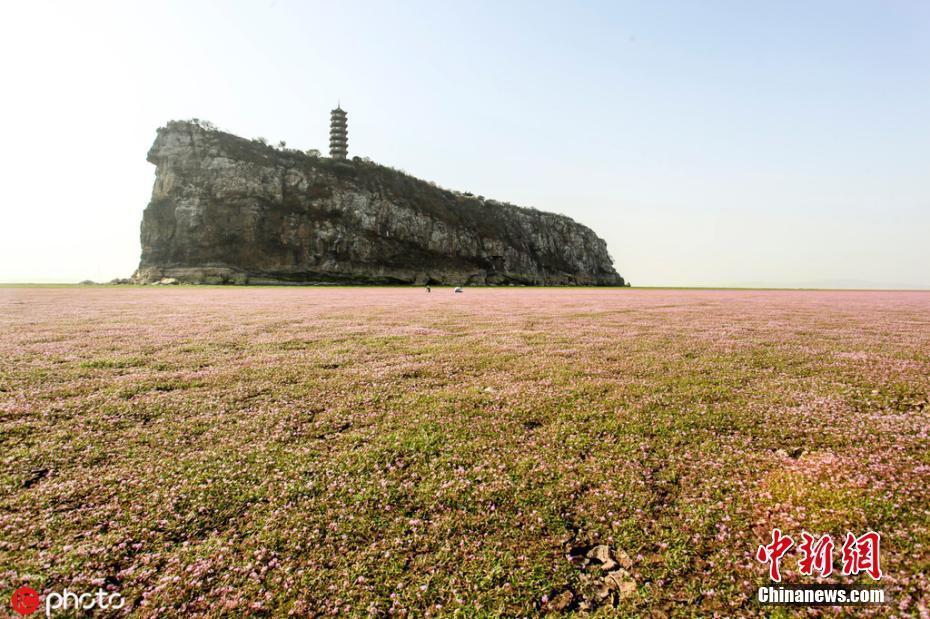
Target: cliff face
point(229, 210)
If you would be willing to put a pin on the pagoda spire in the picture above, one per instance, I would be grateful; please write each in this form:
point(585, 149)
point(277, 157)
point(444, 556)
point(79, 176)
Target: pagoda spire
point(338, 134)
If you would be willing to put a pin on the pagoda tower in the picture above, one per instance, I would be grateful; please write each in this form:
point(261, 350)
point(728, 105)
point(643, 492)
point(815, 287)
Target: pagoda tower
point(338, 134)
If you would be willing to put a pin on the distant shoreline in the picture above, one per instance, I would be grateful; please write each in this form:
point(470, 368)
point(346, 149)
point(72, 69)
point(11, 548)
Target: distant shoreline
point(412, 286)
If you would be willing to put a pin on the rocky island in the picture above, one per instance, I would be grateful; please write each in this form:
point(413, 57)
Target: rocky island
point(226, 209)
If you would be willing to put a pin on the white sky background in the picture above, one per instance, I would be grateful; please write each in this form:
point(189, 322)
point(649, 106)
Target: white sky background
point(709, 143)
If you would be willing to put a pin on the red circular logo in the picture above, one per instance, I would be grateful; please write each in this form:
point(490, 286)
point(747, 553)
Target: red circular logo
point(25, 600)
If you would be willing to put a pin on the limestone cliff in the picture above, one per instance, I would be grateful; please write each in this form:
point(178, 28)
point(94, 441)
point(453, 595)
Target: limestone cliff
point(230, 210)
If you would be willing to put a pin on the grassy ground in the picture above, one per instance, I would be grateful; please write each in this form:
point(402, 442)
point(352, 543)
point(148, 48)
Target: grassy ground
point(383, 451)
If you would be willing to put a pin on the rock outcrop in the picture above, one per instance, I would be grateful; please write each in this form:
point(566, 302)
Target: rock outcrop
point(230, 210)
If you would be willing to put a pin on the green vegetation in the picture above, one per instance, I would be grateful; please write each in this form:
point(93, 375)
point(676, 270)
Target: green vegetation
point(265, 451)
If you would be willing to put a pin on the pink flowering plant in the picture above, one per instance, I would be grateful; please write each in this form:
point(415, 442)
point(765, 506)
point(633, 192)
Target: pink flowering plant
point(355, 451)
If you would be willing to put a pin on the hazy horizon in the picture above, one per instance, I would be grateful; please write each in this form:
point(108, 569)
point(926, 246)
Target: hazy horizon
point(718, 144)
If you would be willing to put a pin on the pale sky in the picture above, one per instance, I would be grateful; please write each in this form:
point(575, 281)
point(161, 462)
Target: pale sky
point(709, 143)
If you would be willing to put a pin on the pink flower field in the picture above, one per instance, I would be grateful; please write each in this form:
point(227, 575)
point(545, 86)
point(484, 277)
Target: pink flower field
point(388, 452)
